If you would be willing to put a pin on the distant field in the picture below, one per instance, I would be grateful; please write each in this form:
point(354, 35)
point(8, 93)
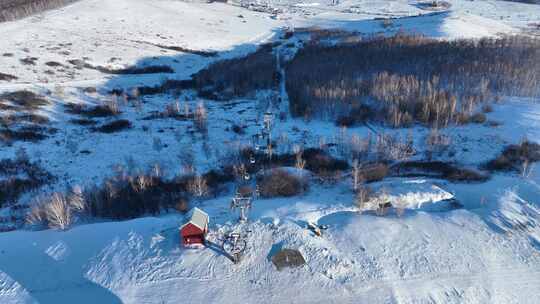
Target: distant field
point(16, 9)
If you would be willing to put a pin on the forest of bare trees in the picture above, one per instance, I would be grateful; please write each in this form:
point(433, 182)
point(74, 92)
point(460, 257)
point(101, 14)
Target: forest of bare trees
point(16, 9)
point(404, 79)
point(238, 76)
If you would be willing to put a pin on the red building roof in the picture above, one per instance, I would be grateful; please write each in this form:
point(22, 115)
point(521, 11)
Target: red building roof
point(197, 224)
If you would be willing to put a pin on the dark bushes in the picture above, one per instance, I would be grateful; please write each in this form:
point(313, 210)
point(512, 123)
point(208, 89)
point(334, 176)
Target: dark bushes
point(25, 99)
point(167, 86)
point(280, 183)
point(152, 69)
point(317, 161)
point(125, 197)
point(186, 50)
point(29, 134)
point(91, 111)
point(83, 122)
point(114, 126)
point(238, 76)
point(357, 115)
point(479, 118)
point(7, 77)
point(437, 169)
point(514, 157)
point(374, 172)
point(129, 196)
point(20, 176)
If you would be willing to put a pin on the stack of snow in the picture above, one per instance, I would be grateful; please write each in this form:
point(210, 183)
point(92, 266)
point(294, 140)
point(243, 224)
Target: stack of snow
point(409, 194)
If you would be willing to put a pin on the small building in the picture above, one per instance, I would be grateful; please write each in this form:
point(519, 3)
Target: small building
point(195, 230)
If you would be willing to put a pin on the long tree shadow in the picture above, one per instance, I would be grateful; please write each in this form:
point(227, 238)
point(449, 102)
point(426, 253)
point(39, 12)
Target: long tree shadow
point(49, 281)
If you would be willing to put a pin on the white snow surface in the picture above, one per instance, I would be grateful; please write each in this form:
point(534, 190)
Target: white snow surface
point(408, 194)
point(486, 252)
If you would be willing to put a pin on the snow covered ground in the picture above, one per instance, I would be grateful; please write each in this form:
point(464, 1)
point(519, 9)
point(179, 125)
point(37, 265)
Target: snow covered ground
point(453, 257)
point(486, 252)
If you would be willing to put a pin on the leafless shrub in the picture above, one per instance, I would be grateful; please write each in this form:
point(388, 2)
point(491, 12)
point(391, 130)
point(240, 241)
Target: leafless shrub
point(37, 216)
point(112, 104)
point(26, 100)
point(300, 162)
point(29, 60)
point(20, 176)
point(437, 143)
point(59, 210)
point(201, 118)
point(487, 108)
point(106, 110)
point(479, 118)
point(280, 183)
point(363, 194)
point(113, 126)
point(516, 157)
point(527, 168)
point(198, 187)
point(393, 148)
point(387, 23)
point(373, 172)
point(381, 202)
point(240, 172)
point(182, 205)
point(356, 177)
point(438, 169)
point(7, 77)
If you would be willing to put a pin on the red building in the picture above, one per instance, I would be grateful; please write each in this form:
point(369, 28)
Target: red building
point(195, 230)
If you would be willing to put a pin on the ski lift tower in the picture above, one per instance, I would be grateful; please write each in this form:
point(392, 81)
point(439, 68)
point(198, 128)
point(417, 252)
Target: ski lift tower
point(256, 141)
point(243, 203)
point(268, 120)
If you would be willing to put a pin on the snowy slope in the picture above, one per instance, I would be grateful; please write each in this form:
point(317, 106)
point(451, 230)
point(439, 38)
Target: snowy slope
point(421, 257)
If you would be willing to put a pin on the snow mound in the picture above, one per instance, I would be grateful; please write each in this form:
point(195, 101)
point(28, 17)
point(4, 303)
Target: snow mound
point(408, 194)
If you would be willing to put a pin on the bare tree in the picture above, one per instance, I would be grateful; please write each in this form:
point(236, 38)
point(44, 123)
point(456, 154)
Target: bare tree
point(363, 194)
point(58, 211)
point(198, 186)
point(300, 162)
point(355, 174)
point(527, 168)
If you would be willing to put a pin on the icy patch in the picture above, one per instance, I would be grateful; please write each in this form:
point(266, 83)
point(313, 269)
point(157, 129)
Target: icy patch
point(512, 213)
point(12, 292)
point(58, 252)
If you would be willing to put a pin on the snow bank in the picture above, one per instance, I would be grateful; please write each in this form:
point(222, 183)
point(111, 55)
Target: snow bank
point(408, 194)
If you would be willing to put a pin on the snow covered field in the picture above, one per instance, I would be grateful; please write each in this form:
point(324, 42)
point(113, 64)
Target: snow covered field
point(488, 251)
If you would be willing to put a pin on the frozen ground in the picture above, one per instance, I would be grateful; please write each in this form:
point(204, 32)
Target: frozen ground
point(486, 252)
